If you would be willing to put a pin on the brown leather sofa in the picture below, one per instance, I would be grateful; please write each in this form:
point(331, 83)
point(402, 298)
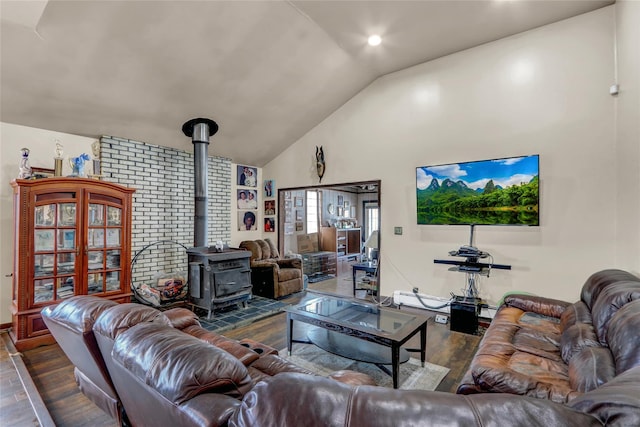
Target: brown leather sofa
point(556, 350)
point(167, 377)
point(272, 276)
point(87, 328)
point(293, 399)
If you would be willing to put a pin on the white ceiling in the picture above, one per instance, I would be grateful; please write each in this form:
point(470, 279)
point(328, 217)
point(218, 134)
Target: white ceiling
point(266, 71)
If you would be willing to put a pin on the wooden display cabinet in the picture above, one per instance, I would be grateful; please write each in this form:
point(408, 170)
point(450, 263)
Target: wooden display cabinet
point(72, 236)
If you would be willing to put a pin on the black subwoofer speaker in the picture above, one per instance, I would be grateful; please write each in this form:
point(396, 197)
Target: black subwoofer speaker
point(464, 314)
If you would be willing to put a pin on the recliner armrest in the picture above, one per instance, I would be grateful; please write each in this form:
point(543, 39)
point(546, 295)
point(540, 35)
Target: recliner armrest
point(264, 264)
point(290, 263)
point(535, 304)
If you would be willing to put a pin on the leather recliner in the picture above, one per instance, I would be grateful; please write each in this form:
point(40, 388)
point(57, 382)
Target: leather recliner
point(71, 324)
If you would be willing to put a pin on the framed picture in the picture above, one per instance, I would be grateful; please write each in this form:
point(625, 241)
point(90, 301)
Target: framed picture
point(340, 200)
point(247, 199)
point(346, 205)
point(299, 215)
point(287, 195)
point(298, 203)
point(288, 229)
point(299, 226)
point(269, 207)
point(247, 176)
point(287, 217)
point(269, 187)
point(269, 225)
point(353, 212)
point(246, 221)
point(340, 211)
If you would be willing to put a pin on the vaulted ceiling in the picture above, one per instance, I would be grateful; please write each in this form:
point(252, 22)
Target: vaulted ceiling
point(266, 71)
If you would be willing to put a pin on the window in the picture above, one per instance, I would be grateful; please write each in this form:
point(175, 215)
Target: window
point(312, 211)
point(371, 218)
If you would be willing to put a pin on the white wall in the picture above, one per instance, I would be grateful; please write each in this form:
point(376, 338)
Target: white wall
point(540, 92)
point(628, 133)
point(41, 143)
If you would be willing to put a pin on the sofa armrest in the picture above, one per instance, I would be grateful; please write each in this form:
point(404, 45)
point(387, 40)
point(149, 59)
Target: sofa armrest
point(290, 263)
point(535, 304)
point(264, 264)
point(339, 404)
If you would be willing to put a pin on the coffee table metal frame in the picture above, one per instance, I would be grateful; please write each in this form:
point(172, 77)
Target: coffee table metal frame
point(394, 340)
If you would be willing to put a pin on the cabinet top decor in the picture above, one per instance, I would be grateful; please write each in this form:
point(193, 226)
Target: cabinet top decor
point(69, 182)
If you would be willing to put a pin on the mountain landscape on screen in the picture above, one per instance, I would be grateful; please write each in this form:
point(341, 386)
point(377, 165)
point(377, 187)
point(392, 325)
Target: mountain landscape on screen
point(486, 192)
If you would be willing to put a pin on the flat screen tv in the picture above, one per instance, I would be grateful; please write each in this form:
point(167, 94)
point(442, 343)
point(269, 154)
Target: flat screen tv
point(485, 192)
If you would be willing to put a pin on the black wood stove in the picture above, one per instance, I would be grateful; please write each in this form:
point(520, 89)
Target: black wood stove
point(217, 277)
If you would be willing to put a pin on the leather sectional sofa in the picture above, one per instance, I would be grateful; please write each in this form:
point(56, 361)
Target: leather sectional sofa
point(560, 351)
point(164, 376)
point(165, 371)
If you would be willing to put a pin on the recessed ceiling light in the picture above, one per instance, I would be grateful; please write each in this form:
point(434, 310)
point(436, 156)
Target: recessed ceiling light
point(374, 40)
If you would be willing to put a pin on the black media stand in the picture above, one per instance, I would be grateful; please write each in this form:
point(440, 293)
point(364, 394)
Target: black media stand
point(469, 264)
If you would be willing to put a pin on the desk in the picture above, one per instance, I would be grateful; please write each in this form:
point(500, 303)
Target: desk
point(368, 267)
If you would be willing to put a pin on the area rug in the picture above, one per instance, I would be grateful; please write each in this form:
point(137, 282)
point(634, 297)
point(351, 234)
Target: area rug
point(234, 317)
point(412, 376)
point(321, 277)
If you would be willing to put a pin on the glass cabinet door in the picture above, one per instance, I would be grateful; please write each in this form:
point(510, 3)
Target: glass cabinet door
point(55, 247)
point(104, 243)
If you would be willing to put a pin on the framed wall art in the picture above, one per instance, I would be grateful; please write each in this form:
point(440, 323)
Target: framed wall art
point(269, 187)
point(247, 176)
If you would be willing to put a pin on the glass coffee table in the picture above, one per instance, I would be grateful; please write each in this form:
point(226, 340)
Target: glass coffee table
point(359, 331)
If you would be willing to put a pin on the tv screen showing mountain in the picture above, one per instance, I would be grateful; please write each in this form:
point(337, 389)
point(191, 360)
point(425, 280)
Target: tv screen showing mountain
point(486, 192)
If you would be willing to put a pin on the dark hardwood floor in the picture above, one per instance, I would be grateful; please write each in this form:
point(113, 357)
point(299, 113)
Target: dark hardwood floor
point(52, 372)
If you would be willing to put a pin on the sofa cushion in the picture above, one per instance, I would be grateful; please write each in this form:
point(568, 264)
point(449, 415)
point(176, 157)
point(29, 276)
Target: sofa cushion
point(289, 274)
point(616, 403)
point(517, 356)
point(575, 313)
point(599, 281)
point(244, 354)
point(622, 337)
point(590, 368)
point(576, 338)
point(177, 365)
point(274, 250)
point(121, 317)
point(264, 247)
point(256, 251)
point(610, 300)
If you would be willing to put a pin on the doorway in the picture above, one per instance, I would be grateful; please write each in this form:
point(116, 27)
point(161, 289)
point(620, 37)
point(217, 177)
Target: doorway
point(328, 226)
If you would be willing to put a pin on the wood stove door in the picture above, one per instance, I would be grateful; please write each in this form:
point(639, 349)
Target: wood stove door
point(230, 282)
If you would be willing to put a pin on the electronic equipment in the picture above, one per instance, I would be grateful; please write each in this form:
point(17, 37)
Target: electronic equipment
point(464, 314)
point(451, 194)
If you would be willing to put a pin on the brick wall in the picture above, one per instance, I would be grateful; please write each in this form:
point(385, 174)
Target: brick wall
point(163, 207)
